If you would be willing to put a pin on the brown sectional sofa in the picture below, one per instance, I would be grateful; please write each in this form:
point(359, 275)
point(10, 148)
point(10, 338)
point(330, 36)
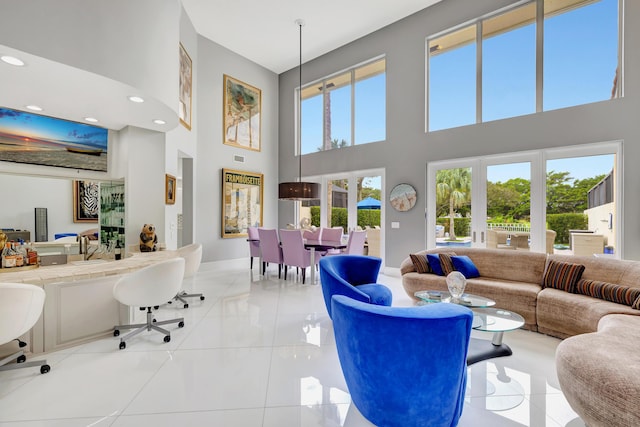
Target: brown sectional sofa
point(599, 334)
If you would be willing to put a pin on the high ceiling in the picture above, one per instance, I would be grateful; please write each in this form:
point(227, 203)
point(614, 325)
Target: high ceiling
point(265, 32)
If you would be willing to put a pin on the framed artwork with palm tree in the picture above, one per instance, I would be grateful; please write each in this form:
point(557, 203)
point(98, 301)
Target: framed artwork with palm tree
point(242, 109)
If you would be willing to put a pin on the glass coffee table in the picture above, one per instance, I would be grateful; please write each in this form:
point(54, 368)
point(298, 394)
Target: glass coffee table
point(498, 321)
point(468, 300)
point(485, 319)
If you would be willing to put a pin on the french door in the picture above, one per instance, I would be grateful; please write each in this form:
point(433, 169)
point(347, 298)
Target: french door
point(464, 199)
point(522, 193)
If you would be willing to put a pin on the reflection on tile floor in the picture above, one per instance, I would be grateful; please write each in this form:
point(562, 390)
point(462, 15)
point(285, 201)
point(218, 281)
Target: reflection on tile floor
point(258, 351)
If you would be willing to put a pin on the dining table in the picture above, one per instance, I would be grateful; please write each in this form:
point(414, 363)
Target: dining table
point(320, 245)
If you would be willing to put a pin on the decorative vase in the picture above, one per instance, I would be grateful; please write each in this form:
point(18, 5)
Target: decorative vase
point(456, 283)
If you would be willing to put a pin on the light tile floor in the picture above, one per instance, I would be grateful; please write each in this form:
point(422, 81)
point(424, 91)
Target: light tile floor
point(258, 351)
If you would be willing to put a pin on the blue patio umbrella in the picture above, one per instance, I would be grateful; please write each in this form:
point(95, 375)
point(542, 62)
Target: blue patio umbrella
point(369, 203)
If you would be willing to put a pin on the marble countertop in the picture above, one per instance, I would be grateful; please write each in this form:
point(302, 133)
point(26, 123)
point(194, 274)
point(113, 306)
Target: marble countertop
point(81, 270)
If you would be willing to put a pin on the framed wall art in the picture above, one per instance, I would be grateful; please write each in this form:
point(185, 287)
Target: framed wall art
point(186, 74)
point(43, 140)
point(242, 109)
point(86, 201)
point(241, 202)
point(169, 189)
point(403, 197)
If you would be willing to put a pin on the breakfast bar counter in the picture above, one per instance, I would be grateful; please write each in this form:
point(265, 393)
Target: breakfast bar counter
point(79, 305)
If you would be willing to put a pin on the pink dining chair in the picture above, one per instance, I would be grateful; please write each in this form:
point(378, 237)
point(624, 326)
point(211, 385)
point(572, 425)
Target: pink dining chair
point(270, 248)
point(333, 234)
point(254, 244)
point(355, 244)
point(294, 253)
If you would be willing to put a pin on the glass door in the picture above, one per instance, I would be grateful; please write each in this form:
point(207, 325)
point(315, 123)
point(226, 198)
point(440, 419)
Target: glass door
point(508, 189)
point(562, 200)
point(450, 219)
point(337, 203)
point(369, 202)
point(583, 202)
point(482, 202)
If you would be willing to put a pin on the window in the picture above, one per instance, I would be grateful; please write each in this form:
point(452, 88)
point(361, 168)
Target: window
point(509, 64)
point(452, 90)
point(487, 70)
point(580, 52)
point(346, 109)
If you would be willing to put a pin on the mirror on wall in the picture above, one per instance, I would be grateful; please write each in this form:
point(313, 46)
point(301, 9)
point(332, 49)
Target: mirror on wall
point(59, 198)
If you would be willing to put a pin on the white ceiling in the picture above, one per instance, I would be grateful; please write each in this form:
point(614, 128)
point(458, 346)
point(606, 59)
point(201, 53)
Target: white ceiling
point(265, 31)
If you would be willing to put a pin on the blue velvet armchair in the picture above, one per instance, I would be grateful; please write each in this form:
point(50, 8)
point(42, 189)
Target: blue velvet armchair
point(404, 366)
point(354, 276)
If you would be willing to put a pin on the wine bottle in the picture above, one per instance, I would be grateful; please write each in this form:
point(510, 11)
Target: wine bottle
point(118, 251)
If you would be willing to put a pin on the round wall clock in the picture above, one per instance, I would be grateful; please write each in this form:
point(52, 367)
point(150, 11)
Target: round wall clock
point(403, 197)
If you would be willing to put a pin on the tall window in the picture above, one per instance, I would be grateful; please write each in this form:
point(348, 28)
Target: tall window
point(509, 64)
point(345, 109)
point(487, 70)
point(452, 90)
point(580, 52)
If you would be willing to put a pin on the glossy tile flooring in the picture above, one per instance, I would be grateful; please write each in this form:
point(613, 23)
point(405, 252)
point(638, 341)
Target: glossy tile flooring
point(258, 351)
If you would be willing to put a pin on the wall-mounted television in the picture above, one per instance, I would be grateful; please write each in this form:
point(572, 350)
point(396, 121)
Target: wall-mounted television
point(42, 140)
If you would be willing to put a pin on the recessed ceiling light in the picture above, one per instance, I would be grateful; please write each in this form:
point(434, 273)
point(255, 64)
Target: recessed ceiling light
point(159, 122)
point(136, 99)
point(34, 108)
point(91, 119)
point(12, 60)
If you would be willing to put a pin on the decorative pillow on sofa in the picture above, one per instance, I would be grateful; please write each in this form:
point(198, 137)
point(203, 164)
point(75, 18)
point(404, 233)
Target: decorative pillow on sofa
point(608, 292)
point(446, 263)
point(464, 265)
point(434, 264)
point(562, 275)
point(420, 263)
point(437, 263)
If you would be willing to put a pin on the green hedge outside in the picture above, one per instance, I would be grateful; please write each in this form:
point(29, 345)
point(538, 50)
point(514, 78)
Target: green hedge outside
point(562, 223)
point(339, 217)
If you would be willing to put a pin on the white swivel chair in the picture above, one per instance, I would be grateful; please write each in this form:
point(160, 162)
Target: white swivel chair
point(150, 286)
point(20, 309)
point(192, 255)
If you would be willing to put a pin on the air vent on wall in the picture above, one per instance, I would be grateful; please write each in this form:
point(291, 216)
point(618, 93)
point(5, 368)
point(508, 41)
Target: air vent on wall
point(238, 158)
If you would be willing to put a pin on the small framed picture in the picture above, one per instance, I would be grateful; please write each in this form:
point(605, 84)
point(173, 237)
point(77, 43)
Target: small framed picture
point(170, 189)
point(86, 201)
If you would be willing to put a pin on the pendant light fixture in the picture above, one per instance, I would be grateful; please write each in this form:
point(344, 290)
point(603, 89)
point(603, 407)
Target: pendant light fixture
point(299, 190)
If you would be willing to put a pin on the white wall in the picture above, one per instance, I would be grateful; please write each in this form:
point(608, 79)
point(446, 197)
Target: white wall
point(144, 183)
point(408, 149)
point(213, 62)
point(182, 142)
